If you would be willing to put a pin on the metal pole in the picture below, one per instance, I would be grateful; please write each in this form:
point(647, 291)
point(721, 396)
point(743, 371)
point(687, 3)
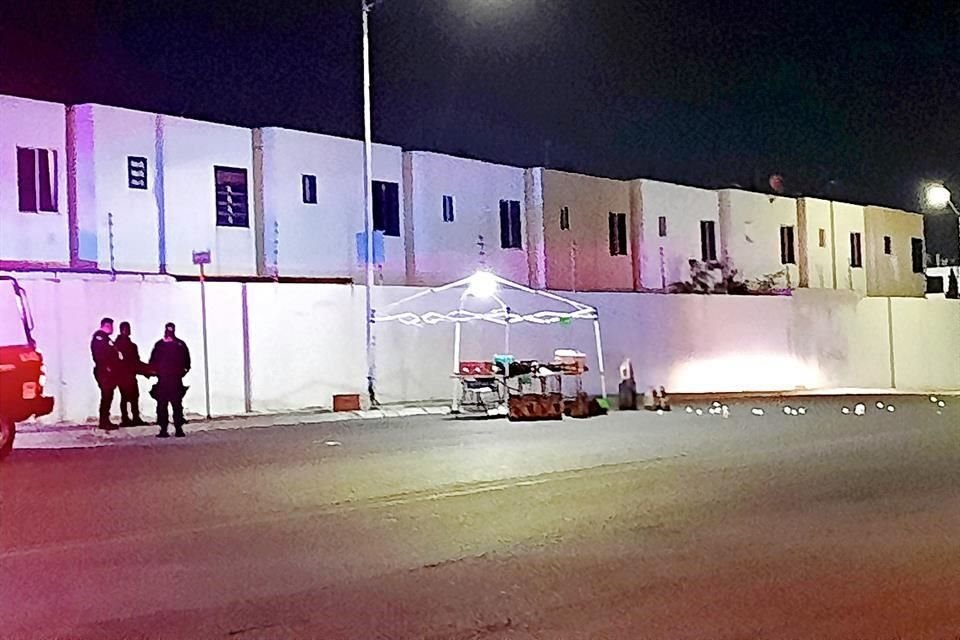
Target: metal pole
point(113, 262)
point(206, 351)
point(366, 8)
point(455, 399)
point(603, 378)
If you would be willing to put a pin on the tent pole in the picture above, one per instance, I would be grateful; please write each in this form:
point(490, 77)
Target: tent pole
point(455, 399)
point(603, 378)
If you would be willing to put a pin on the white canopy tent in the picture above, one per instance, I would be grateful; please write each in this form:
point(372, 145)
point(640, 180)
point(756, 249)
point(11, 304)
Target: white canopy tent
point(485, 285)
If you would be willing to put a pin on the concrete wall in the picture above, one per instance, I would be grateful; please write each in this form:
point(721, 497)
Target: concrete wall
point(684, 208)
point(579, 258)
point(750, 231)
point(306, 341)
point(31, 237)
point(815, 243)
point(847, 220)
point(190, 151)
point(892, 274)
point(103, 140)
point(926, 343)
point(441, 252)
point(305, 239)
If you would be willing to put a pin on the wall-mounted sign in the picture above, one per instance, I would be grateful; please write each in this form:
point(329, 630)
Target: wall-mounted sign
point(231, 186)
point(136, 172)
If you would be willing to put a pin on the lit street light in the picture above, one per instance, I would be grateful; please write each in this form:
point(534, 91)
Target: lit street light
point(939, 197)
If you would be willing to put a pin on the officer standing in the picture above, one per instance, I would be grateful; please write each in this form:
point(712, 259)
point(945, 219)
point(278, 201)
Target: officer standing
point(105, 363)
point(170, 362)
point(130, 367)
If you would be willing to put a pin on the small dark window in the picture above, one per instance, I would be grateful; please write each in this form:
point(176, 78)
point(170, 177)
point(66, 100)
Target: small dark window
point(916, 253)
point(823, 237)
point(788, 253)
point(231, 194)
point(308, 186)
point(618, 233)
point(934, 284)
point(856, 250)
point(564, 218)
point(510, 230)
point(448, 209)
point(888, 245)
point(386, 208)
point(37, 180)
point(662, 226)
point(136, 172)
point(708, 240)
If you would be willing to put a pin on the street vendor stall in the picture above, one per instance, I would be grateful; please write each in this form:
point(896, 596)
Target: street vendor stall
point(523, 389)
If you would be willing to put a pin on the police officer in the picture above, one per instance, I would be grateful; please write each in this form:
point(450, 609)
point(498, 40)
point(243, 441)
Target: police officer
point(105, 363)
point(130, 367)
point(170, 362)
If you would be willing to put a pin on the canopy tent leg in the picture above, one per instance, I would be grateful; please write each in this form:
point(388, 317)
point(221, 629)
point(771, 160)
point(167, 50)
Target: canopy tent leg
point(603, 378)
point(455, 399)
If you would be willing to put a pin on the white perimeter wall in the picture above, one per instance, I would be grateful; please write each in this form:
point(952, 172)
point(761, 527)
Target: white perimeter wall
point(684, 208)
point(306, 341)
point(105, 137)
point(32, 237)
point(447, 251)
point(190, 150)
point(319, 239)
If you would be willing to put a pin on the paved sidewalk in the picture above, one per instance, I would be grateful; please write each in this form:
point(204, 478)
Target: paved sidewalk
point(76, 436)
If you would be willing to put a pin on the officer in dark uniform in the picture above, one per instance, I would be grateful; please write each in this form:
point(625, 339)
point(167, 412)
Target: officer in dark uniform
point(170, 362)
point(130, 367)
point(105, 364)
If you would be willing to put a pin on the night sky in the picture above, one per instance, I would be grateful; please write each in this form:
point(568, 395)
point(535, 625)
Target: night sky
point(856, 100)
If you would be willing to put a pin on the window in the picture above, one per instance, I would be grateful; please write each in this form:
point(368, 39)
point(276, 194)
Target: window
point(887, 245)
point(231, 193)
point(856, 250)
point(136, 172)
point(618, 233)
point(823, 237)
point(308, 187)
point(564, 218)
point(662, 223)
point(916, 253)
point(510, 225)
point(386, 208)
point(788, 253)
point(448, 208)
point(37, 180)
point(708, 240)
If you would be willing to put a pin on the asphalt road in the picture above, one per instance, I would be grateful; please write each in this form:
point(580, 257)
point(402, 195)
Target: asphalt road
point(821, 525)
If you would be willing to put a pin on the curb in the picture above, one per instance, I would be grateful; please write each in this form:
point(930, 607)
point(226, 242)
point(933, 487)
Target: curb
point(88, 436)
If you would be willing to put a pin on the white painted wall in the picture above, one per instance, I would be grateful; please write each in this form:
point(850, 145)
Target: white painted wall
point(926, 343)
point(750, 231)
point(190, 150)
point(103, 139)
point(306, 341)
point(848, 219)
point(684, 208)
point(816, 261)
point(303, 239)
point(32, 238)
point(446, 251)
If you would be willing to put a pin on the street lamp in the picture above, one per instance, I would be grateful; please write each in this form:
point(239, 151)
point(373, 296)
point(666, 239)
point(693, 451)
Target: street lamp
point(366, 7)
point(939, 197)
